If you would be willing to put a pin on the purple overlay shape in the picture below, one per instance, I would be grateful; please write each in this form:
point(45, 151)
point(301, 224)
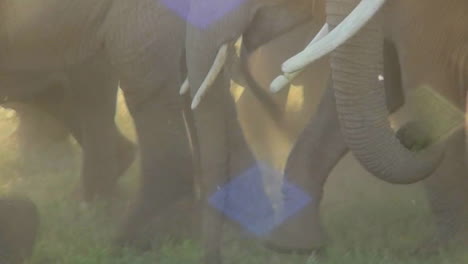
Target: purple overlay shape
point(245, 201)
point(208, 11)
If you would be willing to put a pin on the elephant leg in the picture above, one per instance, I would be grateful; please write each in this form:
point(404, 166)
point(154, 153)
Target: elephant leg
point(148, 56)
point(317, 150)
point(448, 197)
point(58, 104)
point(89, 112)
point(211, 128)
point(166, 158)
point(224, 154)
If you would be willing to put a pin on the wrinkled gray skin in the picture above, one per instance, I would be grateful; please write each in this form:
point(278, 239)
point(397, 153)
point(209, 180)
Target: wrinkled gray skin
point(223, 149)
point(95, 44)
point(418, 52)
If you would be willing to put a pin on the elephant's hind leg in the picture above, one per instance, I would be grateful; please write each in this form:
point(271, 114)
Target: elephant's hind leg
point(89, 112)
point(146, 49)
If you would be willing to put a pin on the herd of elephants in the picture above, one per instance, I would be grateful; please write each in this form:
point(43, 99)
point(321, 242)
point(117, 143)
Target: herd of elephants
point(68, 58)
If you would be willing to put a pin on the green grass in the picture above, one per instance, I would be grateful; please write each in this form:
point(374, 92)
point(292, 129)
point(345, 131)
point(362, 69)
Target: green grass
point(367, 221)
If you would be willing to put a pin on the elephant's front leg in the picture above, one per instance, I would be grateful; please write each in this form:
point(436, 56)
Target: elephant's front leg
point(212, 131)
point(318, 149)
point(224, 154)
point(448, 196)
point(315, 153)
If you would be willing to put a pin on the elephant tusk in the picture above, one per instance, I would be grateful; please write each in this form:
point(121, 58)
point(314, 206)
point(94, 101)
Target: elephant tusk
point(281, 82)
point(218, 64)
point(363, 12)
point(284, 80)
point(184, 88)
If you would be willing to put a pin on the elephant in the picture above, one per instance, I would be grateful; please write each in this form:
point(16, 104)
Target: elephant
point(385, 24)
point(19, 224)
point(93, 47)
point(224, 152)
point(50, 41)
point(440, 64)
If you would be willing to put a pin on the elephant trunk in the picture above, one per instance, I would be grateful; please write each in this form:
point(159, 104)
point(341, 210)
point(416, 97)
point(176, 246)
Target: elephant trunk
point(361, 104)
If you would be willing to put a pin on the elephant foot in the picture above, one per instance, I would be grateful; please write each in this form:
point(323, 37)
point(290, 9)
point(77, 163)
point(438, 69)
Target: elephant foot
point(144, 230)
point(300, 234)
point(415, 135)
point(19, 223)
